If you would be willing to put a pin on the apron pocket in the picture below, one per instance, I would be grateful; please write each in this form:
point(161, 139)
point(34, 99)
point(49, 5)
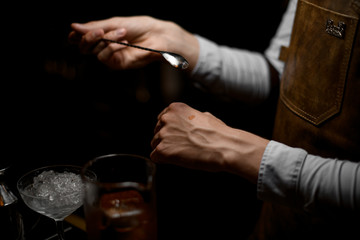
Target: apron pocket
point(313, 82)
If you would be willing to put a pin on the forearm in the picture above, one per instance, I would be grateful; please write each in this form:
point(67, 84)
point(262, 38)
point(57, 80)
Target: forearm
point(292, 177)
point(242, 153)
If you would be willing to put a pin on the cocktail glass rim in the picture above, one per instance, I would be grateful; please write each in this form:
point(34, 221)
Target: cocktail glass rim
point(21, 188)
point(40, 170)
point(119, 185)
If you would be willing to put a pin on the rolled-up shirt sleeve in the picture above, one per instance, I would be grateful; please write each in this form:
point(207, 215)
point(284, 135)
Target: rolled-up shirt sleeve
point(292, 177)
point(239, 73)
point(231, 72)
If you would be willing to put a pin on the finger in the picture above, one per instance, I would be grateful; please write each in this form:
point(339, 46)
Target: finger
point(158, 126)
point(83, 28)
point(90, 40)
point(117, 34)
point(99, 47)
point(74, 37)
point(155, 141)
point(154, 156)
point(80, 28)
point(162, 113)
point(92, 43)
point(107, 53)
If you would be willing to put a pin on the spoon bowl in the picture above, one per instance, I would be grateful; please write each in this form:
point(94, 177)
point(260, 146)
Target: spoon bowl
point(174, 59)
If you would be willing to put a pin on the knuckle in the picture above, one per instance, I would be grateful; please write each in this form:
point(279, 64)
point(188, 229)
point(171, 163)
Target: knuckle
point(112, 47)
point(157, 153)
point(161, 134)
point(146, 18)
point(176, 105)
point(101, 57)
point(159, 148)
point(164, 118)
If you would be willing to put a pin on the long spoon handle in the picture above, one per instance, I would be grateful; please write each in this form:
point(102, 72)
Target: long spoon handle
point(131, 45)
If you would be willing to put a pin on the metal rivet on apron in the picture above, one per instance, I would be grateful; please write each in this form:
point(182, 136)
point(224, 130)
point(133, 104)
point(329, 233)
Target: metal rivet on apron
point(336, 31)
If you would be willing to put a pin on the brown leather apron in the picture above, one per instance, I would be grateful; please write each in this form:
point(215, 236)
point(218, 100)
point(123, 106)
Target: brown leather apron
point(319, 107)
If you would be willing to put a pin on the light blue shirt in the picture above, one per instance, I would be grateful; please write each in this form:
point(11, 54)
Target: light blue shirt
point(289, 176)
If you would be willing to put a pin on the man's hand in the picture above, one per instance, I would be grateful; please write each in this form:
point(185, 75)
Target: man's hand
point(186, 137)
point(143, 31)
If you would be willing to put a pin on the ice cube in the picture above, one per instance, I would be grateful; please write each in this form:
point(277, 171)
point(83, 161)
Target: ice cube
point(60, 188)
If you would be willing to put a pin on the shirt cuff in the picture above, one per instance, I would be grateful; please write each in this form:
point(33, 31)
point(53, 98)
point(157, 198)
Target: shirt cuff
point(279, 174)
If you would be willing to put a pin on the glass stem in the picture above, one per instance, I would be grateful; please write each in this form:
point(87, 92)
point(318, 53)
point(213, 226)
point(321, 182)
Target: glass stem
point(60, 229)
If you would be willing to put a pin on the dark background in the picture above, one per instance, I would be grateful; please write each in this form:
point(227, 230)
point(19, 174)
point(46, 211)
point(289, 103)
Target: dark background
point(59, 106)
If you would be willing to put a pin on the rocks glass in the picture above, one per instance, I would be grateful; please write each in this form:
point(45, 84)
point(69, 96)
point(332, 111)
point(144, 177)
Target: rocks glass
point(120, 203)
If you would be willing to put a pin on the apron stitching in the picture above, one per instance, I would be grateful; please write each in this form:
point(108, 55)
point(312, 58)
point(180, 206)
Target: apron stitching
point(342, 76)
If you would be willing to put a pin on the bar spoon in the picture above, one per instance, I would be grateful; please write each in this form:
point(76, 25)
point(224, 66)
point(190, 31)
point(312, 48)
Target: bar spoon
point(174, 59)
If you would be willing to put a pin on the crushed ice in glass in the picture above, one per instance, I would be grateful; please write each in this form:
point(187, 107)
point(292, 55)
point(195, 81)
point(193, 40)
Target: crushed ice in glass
point(64, 188)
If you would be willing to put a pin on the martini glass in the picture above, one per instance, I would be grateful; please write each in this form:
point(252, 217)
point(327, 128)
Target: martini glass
point(54, 191)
